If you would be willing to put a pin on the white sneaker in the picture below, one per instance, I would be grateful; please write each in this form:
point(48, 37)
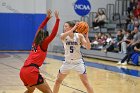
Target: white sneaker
point(120, 52)
point(119, 63)
point(125, 63)
point(125, 52)
point(96, 27)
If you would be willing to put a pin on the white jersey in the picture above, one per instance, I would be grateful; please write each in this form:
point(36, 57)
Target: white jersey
point(72, 47)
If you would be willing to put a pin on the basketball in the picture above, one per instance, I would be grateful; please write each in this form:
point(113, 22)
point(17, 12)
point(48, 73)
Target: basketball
point(82, 27)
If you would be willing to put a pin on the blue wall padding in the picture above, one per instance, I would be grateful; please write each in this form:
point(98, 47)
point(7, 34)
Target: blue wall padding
point(17, 30)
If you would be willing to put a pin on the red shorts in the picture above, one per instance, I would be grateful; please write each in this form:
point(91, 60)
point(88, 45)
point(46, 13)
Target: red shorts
point(30, 76)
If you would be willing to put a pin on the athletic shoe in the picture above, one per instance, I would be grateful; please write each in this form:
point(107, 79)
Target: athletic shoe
point(125, 63)
point(119, 63)
point(96, 27)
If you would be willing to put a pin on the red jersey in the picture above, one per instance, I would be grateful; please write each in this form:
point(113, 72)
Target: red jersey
point(136, 12)
point(37, 57)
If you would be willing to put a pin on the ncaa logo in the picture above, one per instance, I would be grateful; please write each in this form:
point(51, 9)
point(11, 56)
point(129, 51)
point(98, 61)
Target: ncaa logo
point(82, 7)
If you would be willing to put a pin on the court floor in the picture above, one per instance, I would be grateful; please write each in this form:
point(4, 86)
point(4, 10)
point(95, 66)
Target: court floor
point(104, 76)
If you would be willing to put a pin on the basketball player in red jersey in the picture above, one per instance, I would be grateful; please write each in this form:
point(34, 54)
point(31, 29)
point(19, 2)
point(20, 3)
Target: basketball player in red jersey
point(29, 73)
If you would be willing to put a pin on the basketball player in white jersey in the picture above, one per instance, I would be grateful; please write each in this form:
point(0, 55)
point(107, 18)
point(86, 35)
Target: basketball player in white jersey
point(73, 58)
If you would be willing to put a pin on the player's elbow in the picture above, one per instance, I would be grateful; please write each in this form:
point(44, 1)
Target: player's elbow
point(88, 47)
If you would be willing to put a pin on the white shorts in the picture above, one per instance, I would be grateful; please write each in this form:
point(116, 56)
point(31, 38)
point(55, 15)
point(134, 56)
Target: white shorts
point(76, 65)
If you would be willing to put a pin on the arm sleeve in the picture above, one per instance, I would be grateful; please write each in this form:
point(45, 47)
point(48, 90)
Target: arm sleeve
point(42, 25)
point(48, 39)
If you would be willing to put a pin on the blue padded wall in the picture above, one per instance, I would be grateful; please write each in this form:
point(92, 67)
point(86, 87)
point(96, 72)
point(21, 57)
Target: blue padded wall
point(17, 30)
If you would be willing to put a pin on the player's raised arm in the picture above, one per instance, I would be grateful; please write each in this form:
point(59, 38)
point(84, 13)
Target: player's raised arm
point(48, 39)
point(55, 28)
point(43, 24)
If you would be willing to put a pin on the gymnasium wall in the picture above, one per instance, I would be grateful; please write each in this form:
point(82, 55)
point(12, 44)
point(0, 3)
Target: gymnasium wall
point(19, 20)
point(67, 13)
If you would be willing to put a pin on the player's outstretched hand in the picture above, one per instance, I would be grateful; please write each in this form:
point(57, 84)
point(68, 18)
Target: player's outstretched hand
point(49, 12)
point(56, 14)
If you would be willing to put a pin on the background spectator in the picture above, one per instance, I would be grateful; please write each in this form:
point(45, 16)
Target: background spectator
point(119, 39)
point(99, 20)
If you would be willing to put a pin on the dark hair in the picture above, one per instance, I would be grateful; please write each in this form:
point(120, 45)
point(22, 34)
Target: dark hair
point(109, 34)
point(42, 34)
point(71, 23)
point(120, 30)
point(129, 31)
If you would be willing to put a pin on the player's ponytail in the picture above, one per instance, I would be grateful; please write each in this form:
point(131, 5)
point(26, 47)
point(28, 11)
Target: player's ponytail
point(41, 36)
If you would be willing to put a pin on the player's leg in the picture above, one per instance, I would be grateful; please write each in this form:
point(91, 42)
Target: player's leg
point(44, 87)
point(30, 89)
point(63, 72)
point(25, 80)
point(84, 80)
point(60, 78)
point(81, 69)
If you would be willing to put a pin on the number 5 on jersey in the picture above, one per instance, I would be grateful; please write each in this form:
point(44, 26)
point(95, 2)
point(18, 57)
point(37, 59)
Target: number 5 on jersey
point(71, 49)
